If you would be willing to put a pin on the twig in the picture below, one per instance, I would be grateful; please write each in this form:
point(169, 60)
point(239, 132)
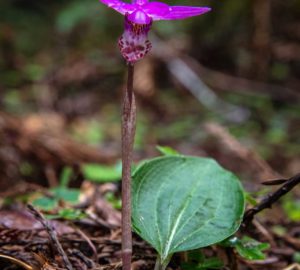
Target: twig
point(254, 163)
point(222, 81)
point(52, 234)
point(266, 233)
point(88, 240)
point(232, 261)
point(128, 132)
point(184, 73)
point(270, 199)
point(18, 262)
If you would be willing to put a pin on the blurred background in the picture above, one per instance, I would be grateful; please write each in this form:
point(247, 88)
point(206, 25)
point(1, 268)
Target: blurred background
point(225, 84)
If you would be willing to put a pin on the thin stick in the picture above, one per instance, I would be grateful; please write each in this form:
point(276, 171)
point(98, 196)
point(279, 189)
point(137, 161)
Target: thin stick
point(52, 235)
point(88, 240)
point(128, 132)
point(270, 199)
point(18, 262)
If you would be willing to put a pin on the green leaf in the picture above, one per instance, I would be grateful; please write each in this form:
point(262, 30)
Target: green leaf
point(182, 203)
point(113, 200)
point(211, 263)
point(65, 176)
point(45, 203)
point(196, 256)
point(251, 249)
point(247, 247)
point(296, 257)
point(70, 195)
point(291, 207)
point(197, 261)
point(68, 213)
point(166, 150)
point(229, 242)
point(250, 199)
point(101, 173)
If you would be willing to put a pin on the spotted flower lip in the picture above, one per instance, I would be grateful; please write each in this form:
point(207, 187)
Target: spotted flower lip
point(142, 10)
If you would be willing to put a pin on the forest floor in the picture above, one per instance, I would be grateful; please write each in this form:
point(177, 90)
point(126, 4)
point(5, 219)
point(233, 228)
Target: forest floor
point(83, 207)
point(60, 151)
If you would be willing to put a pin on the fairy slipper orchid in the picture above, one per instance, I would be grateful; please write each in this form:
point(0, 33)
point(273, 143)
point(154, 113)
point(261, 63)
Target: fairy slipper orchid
point(139, 15)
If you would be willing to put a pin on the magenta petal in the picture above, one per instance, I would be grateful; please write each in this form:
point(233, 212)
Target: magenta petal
point(119, 6)
point(181, 12)
point(156, 10)
point(177, 12)
point(139, 2)
point(139, 16)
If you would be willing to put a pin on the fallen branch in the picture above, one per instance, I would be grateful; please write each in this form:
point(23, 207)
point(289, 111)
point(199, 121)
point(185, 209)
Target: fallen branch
point(46, 146)
point(270, 199)
point(52, 235)
point(253, 162)
point(220, 80)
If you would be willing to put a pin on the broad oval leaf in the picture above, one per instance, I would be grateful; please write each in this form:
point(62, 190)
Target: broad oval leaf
point(181, 203)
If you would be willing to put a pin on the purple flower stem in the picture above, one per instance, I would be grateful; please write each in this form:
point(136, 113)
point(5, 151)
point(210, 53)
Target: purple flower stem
point(128, 132)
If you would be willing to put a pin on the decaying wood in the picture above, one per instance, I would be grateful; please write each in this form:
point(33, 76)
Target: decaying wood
point(46, 146)
point(258, 167)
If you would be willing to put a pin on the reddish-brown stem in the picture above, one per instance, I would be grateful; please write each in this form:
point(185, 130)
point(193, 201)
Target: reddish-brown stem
point(128, 132)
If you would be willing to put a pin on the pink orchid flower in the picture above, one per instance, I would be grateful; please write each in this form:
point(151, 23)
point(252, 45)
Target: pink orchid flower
point(139, 14)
